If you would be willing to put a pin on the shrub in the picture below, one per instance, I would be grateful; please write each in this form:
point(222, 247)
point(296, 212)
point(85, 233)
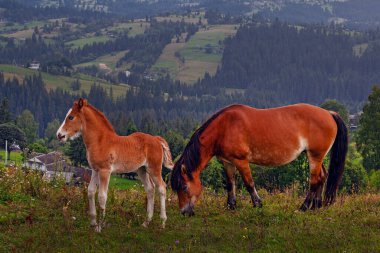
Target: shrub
point(374, 179)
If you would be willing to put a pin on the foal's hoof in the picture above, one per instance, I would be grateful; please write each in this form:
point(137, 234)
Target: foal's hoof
point(145, 224)
point(98, 229)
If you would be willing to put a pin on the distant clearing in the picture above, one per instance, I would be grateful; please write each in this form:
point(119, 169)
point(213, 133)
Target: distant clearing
point(87, 41)
point(109, 60)
point(135, 28)
point(63, 82)
point(201, 54)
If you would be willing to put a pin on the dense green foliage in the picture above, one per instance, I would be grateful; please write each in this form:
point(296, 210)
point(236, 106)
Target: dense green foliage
point(368, 137)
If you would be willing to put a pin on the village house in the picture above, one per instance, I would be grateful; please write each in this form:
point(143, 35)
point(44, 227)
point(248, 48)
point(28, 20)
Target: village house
point(54, 165)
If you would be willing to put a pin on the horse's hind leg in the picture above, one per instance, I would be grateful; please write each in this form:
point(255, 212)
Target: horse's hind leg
point(245, 172)
point(149, 189)
point(230, 171)
point(161, 186)
point(313, 199)
point(104, 178)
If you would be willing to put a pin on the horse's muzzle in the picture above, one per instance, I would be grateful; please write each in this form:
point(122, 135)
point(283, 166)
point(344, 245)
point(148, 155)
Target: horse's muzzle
point(188, 210)
point(60, 136)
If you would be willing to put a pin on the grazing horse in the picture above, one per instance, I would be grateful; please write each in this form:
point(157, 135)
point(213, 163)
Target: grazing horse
point(239, 135)
point(109, 153)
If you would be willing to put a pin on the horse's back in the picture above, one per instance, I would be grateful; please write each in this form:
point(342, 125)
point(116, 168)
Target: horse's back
point(274, 136)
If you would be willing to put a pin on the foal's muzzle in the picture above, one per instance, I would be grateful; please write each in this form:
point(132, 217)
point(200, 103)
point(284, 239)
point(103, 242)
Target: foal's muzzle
point(60, 136)
point(188, 210)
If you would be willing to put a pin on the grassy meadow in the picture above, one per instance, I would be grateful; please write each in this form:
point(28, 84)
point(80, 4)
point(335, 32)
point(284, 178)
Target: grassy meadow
point(196, 61)
point(36, 216)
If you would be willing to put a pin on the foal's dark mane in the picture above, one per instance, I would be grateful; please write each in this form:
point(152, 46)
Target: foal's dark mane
point(191, 155)
point(102, 116)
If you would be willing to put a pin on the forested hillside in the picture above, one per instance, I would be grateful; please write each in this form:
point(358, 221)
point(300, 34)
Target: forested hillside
point(292, 63)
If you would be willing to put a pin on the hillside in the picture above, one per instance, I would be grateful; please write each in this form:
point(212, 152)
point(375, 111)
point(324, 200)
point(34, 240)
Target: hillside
point(63, 82)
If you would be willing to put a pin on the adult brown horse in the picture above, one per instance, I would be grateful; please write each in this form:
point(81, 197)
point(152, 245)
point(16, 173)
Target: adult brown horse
point(109, 153)
point(239, 135)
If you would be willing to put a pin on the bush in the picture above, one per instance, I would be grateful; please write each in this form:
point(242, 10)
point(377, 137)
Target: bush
point(374, 179)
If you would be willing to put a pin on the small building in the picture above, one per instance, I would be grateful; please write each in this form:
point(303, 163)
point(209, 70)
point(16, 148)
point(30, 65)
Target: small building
point(54, 165)
point(34, 66)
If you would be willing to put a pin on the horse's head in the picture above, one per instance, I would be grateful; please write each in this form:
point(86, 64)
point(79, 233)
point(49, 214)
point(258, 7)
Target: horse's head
point(71, 127)
point(188, 187)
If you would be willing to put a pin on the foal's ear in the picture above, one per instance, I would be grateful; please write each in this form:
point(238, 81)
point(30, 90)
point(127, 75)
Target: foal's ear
point(82, 102)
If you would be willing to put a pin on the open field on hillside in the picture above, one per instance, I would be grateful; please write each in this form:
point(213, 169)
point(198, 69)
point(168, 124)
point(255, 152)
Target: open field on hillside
point(109, 60)
point(87, 41)
point(16, 157)
point(134, 28)
point(63, 82)
point(36, 216)
point(196, 60)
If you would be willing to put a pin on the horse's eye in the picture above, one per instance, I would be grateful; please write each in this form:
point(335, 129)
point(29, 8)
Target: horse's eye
point(71, 117)
point(185, 188)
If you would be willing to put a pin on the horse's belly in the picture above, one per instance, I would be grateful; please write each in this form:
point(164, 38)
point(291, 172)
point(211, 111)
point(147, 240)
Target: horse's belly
point(125, 167)
point(275, 157)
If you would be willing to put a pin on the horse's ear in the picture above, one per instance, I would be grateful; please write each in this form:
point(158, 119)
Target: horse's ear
point(183, 169)
point(82, 102)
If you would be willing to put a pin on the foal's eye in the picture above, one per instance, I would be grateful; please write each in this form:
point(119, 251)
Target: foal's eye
point(71, 117)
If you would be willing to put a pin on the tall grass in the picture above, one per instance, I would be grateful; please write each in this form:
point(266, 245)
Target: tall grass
point(39, 216)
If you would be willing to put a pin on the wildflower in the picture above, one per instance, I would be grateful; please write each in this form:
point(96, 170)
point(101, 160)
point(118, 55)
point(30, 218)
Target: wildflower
point(177, 242)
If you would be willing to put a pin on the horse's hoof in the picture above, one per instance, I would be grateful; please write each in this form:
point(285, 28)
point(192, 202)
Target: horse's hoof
point(303, 208)
point(258, 203)
point(98, 229)
point(145, 224)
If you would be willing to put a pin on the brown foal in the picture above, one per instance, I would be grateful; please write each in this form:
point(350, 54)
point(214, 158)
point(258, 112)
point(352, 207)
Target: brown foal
point(109, 153)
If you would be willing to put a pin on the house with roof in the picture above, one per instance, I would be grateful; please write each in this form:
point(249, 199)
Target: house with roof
point(54, 165)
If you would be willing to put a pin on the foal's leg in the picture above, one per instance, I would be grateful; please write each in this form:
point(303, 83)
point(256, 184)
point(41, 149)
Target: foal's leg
point(149, 189)
point(161, 186)
point(245, 172)
point(313, 198)
point(230, 171)
point(91, 196)
point(104, 178)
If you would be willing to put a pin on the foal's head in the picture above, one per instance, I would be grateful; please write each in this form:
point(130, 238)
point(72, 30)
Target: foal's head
point(188, 186)
point(71, 127)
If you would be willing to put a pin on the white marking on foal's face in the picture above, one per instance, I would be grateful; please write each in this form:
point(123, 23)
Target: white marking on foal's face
point(62, 132)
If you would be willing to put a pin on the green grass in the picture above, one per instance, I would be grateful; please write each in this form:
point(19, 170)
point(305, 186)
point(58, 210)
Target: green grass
point(15, 157)
point(119, 183)
point(87, 41)
point(37, 216)
point(63, 82)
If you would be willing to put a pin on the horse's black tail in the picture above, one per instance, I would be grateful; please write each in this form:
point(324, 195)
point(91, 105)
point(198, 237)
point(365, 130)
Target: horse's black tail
point(337, 160)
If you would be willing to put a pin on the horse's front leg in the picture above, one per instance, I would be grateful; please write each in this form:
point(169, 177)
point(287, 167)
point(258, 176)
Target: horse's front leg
point(104, 178)
point(230, 171)
point(91, 197)
point(245, 172)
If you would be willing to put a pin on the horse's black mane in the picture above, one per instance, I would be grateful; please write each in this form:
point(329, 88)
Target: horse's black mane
point(191, 155)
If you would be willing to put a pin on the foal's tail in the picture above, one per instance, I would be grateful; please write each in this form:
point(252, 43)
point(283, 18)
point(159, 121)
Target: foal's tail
point(337, 160)
point(168, 162)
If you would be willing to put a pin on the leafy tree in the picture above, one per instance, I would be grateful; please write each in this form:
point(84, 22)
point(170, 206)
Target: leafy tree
point(5, 115)
point(76, 151)
point(355, 177)
point(25, 121)
point(38, 147)
point(374, 179)
point(212, 175)
point(336, 106)
point(50, 134)
point(176, 142)
point(11, 133)
point(368, 136)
